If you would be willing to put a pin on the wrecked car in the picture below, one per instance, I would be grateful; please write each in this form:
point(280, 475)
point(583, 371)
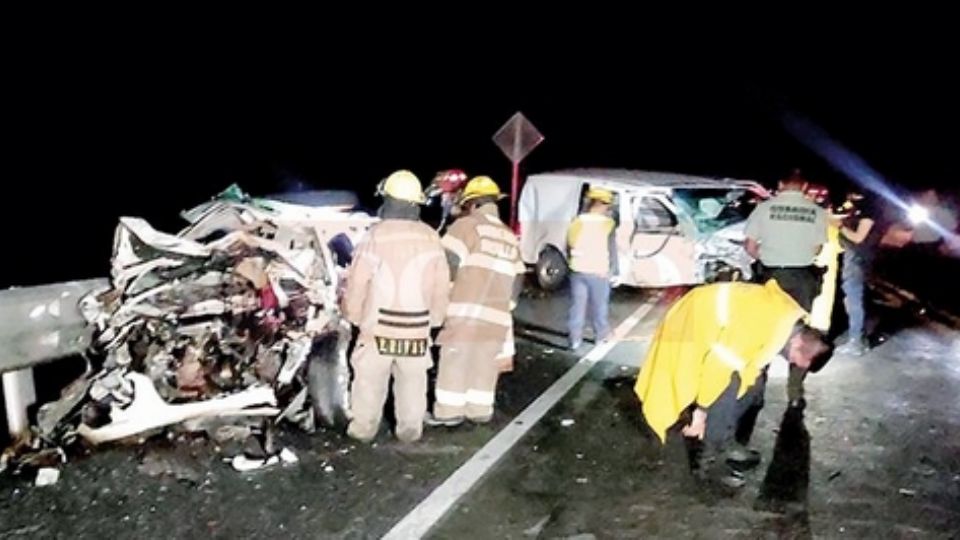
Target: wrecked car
point(232, 321)
point(672, 229)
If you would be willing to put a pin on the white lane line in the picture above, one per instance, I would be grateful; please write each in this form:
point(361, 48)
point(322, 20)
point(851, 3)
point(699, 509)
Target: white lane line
point(421, 519)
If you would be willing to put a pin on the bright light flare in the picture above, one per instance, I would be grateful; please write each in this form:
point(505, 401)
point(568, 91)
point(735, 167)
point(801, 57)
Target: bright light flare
point(918, 214)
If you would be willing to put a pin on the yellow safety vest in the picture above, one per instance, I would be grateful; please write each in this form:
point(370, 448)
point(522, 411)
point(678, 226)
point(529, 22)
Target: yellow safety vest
point(589, 241)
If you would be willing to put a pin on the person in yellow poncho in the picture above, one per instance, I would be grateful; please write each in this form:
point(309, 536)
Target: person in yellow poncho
point(711, 351)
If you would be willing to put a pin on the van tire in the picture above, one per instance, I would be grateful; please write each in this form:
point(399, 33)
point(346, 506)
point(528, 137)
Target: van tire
point(551, 269)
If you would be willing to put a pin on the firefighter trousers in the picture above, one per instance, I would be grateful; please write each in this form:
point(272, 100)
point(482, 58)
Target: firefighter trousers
point(372, 373)
point(467, 379)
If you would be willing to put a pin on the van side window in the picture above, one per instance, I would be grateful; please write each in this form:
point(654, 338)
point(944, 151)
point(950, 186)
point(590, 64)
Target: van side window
point(652, 214)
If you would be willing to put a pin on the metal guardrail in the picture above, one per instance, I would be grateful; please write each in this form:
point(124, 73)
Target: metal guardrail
point(38, 325)
point(41, 324)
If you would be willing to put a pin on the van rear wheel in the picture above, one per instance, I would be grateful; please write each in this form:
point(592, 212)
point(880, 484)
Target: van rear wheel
point(551, 269)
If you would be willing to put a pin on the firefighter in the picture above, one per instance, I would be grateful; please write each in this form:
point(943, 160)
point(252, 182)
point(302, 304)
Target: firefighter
point(397, 289)
point(447, 184)
point(711, 352)
point(485, 265)
point(593, 262)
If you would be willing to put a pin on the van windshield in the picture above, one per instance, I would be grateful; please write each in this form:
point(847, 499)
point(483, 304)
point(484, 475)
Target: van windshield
point(714, 209)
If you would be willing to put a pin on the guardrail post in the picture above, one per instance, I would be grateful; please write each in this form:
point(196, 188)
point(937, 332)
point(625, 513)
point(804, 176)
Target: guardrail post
point(18, 394)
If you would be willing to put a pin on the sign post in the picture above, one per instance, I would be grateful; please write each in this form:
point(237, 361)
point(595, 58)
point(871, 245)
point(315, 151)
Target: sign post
point(516, 139)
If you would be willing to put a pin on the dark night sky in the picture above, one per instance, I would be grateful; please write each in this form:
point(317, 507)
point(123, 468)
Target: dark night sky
point(157, 132)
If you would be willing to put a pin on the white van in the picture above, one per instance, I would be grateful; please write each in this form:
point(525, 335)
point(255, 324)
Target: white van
point(672, 229)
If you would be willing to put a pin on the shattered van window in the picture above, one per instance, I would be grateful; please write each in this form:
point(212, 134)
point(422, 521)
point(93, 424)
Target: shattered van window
point(714, 209)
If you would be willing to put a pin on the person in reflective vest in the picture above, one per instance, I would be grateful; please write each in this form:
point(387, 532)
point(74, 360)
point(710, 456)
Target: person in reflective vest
point(486, 268)
point(397, 289)
point(710, 353)
point(593, 264)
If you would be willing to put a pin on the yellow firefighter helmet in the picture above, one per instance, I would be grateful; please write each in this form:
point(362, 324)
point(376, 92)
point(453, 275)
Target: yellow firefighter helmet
point(480, 186)
point(404, 186)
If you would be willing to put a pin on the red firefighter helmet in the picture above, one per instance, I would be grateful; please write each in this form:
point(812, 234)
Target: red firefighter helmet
point(450, 180)
point(819, 194)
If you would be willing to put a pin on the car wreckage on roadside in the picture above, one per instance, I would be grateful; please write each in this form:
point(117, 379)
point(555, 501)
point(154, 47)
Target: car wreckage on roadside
point(234, 321)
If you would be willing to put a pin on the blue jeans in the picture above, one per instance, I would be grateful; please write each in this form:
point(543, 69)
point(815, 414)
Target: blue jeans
point(852, 285)
point(588, 289)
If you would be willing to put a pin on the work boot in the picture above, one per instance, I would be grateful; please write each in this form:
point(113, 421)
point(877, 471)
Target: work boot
point(732, 481)
point(408, 435)
point(741, 458)
point(718, 480)
point(360, 437)
point(798, 404)
point(432, 421)
point(575, 344)
point(854, 347)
